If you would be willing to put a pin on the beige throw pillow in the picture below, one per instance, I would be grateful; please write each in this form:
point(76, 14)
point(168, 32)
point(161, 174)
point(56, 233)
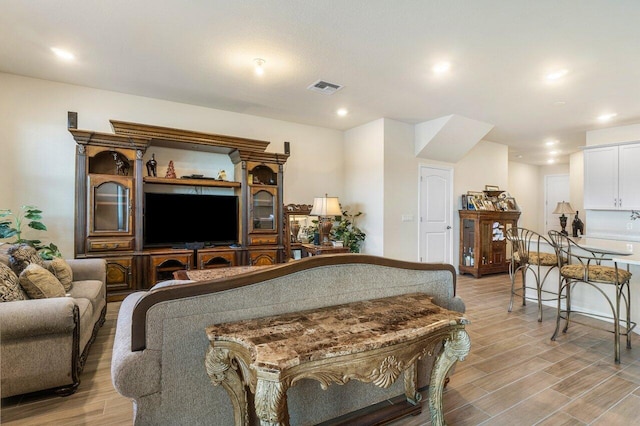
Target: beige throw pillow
point(62, 271)
point(39, 283)
point(10, 289)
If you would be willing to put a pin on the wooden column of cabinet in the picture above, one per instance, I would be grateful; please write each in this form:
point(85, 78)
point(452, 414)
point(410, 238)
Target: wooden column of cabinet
point(483, 243)
point(109, 203)
point(261, 205)
point(106, 202)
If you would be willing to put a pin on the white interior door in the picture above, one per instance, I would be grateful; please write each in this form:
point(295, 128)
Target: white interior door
point(435, 214)
point(556, 189)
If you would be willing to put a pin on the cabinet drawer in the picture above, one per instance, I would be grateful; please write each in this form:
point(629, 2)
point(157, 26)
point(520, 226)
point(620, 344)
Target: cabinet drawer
point(110, 244)
point(256, 240)
point(216, 260)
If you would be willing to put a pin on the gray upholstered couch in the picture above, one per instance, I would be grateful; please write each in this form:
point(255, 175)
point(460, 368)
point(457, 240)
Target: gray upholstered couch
point(160, 342)
point(44, 342)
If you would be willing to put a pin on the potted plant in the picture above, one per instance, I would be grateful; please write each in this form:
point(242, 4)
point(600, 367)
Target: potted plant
point(347, 232)
point(30, 216)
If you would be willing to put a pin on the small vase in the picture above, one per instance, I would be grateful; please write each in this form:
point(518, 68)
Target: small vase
point(295, 229)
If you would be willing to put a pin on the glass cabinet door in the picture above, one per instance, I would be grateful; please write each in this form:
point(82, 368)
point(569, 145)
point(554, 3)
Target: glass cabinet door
point(110, 206)
point(264, 210)
point(468, 242)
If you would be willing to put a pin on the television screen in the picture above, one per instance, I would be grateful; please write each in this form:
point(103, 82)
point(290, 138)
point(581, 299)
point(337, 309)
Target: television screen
point(178, 219)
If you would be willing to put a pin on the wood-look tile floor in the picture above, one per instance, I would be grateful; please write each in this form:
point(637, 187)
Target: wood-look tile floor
point(514, 374)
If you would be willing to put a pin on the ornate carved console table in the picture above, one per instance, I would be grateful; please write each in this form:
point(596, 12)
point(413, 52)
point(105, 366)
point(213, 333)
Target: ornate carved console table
point(372, 341)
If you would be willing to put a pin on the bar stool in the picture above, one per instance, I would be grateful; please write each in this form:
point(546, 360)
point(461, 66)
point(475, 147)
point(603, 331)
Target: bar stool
point(579, 265)
point(526, 256)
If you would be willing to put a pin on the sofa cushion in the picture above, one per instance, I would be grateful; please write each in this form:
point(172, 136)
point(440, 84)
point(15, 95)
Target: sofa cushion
point(39, 283)
point(62, 271)
point(92, 290)
point(10, 289)
point(21, 256)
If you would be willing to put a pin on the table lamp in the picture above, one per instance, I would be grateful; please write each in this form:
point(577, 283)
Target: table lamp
point(325, 208)
point(562, 208)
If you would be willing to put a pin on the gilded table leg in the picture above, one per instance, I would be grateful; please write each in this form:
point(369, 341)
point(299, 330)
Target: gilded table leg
point(455, 348)
point(271, 403)
point(222, 370)
point(411, 383)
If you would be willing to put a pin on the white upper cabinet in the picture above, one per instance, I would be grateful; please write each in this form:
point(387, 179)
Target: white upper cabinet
point(612, 177)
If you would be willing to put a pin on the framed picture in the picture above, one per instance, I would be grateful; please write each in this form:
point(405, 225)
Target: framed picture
point(465, 206)
point(491, 188)
point(511, 204)
point(477, 204)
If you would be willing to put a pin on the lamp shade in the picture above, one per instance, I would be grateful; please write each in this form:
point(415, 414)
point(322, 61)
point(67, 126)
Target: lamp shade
point(564, 207)
point(325, 206)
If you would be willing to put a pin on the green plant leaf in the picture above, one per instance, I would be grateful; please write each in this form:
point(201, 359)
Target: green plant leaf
point(37, 225)
point(5, 212)
point(33, 215)
point(7, 232)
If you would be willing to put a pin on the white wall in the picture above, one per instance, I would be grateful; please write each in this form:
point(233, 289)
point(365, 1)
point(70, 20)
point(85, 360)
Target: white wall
point(401, 171)
point(364, 176)
point(527, 195)
point(38, 153)
point(613, 135)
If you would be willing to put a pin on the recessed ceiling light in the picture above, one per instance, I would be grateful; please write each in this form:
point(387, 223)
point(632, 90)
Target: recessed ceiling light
point(519, 156)
point(559, 103)
point(607, 117)
point(556, 75)
point(342, 112)
point(551, 161)
point(441, 67)
point(259, 66)
point(554, 152)
point(63, 54)
point(551, 142)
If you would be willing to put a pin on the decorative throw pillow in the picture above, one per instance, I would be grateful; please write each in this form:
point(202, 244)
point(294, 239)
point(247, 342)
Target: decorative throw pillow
point(62, 271)
point(10, 289)
point(39, 283)
point(21, 255)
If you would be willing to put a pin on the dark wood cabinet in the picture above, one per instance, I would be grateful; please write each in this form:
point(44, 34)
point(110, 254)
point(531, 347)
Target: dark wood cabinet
point(483, 243)
point(109, 201)
point(216, 258)
point(120, 276)
point(163, 263)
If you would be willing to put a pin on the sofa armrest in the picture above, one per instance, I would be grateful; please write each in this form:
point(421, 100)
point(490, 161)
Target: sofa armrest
point(88, 269)
point(36, 317)
point(134, 373)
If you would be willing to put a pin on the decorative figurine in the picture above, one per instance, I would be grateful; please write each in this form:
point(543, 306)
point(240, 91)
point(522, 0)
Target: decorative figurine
point(577, 225)
point(171, 172)
point(222, 175)
point(122, 166)
point(295, 229)
point(151, 166)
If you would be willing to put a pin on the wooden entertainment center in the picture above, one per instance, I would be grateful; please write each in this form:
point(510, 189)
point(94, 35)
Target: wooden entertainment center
point(110, 189)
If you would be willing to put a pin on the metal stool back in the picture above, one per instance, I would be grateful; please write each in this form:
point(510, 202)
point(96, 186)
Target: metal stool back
point(526, 256)
point(579, 265)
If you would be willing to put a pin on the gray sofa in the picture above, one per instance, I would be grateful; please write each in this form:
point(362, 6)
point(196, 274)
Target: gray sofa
point(44, 342)
point(160, 342)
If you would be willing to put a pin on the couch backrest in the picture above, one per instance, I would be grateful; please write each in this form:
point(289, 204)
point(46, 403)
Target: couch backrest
point(309, 283)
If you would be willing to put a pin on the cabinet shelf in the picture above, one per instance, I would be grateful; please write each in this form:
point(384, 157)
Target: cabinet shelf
point(191, 182)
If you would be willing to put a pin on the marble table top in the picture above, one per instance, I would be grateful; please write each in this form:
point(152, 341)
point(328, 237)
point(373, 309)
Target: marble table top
point(287, 340)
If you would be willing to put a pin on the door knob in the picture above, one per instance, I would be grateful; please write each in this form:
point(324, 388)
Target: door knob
point(448, 227)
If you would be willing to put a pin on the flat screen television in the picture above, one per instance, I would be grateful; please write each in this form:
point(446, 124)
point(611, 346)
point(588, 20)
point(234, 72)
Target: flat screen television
point(179, 219)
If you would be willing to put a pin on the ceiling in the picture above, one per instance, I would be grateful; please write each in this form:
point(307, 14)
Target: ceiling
point(201, 52)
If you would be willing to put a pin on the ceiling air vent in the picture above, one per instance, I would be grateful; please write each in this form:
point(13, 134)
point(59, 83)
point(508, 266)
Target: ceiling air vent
point(325, 87)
